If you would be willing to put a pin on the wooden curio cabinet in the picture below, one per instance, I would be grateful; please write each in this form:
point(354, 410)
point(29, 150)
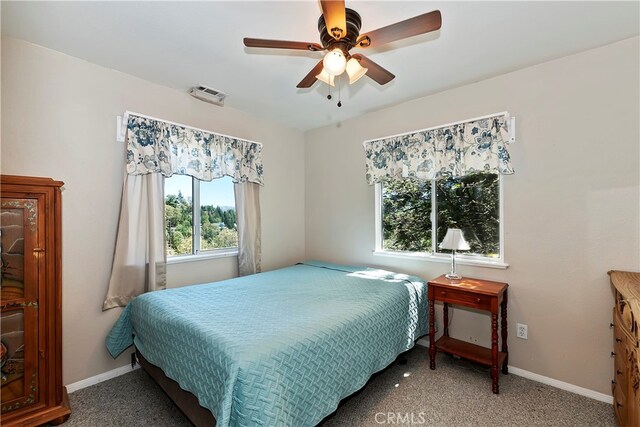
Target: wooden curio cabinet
point(31, 302)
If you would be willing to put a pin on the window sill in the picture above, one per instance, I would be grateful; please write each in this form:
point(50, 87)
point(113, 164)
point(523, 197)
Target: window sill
point(460, 259)
point(202, 256)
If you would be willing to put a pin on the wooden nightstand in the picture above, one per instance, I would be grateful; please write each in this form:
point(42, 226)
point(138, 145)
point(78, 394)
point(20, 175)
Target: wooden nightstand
point(480, 295)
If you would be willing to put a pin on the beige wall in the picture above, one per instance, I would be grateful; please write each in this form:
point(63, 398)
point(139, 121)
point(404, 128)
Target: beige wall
point(571, 211)
point(58, 120)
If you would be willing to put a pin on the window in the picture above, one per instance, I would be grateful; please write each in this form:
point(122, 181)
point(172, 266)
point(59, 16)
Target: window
point(413, 217)
point(200, 216)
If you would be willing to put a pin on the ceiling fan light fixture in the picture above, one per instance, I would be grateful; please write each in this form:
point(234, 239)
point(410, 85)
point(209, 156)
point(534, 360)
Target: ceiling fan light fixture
point(327, 78)
point(334, 62)
point(355, 70)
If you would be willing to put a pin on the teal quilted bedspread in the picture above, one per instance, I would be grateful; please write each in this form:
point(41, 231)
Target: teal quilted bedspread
point(280, 348)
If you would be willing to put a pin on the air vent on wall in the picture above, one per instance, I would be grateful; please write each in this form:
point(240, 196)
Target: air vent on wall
point(208, 94)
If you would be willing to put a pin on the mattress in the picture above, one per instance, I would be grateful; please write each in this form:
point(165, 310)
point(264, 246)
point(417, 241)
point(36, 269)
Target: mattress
point(279, 348)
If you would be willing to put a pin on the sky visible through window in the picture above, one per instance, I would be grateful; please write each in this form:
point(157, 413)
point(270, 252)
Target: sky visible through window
point(218, 192)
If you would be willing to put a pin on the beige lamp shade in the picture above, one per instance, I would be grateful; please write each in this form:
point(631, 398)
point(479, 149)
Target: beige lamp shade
point(355, 70)
point(327, 78)
point(454, 240)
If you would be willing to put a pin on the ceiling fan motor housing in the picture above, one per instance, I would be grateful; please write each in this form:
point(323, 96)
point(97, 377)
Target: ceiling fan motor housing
point(354, 22)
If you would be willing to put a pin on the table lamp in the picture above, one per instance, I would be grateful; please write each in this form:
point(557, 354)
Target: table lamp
point(454, 240)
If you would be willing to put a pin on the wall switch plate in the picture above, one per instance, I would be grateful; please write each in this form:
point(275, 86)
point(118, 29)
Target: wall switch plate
point(522, 331)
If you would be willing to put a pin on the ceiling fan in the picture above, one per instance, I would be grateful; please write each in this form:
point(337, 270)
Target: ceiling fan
point(339, 29)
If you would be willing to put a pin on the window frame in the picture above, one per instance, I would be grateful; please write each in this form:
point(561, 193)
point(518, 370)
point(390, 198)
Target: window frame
point(196, 216)
point(434, 255)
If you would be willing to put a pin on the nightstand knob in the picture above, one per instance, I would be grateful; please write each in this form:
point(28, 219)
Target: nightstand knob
point(613, 353)
point(618, 340)
point(611, 325)
point(477, 300)
point(443, 293)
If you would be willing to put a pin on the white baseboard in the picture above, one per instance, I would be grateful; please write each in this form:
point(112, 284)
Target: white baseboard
point(548, 381)
point(561, 385)
point(100, 378)
point(423, 342)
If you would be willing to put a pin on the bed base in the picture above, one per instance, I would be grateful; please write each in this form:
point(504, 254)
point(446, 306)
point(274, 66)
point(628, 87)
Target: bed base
point(187, 402)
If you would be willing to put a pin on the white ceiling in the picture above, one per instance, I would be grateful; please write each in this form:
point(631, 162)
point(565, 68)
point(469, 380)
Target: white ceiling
point(182, 44)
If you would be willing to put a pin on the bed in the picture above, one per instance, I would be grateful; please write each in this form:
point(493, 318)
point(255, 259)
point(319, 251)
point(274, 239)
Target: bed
point(276, 348)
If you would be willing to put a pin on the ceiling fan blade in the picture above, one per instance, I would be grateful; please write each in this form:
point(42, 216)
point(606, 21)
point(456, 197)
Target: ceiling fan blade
point(376, 72)
point(334, 17)
point(420, 24)
point(281, 44)
point(310, 78)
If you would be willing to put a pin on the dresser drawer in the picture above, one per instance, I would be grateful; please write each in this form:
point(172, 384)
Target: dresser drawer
point(453, 296)
point(633, 364)
point(620, 330)
point(620, 404)
point(627, 320)
point(620, 368)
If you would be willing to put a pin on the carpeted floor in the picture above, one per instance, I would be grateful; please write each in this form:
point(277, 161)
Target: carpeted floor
point(457, 393)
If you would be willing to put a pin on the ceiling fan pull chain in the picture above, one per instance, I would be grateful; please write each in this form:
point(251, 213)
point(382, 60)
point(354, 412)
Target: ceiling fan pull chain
point(339, 93)
point(329, 95)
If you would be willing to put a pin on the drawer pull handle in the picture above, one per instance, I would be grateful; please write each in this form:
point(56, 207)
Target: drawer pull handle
point(613, 382)
point(611, 325)
point(613, 353)
point(619, 405)
point(618, 340)
point(443, 293)
point(618, 371)
point(478, 300)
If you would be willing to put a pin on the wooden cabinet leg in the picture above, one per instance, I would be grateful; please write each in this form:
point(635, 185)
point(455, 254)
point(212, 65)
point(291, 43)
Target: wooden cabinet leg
point(505, 348)
point(494, 353)
point(59, 420)
point(445, 315)
point(432, 335)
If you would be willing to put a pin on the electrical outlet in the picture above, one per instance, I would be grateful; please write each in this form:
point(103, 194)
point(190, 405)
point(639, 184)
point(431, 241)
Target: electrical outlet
point(522, 331)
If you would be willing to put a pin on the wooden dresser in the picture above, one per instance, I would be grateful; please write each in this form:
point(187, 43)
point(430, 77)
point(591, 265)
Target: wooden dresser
point(31, 302)
point(626, 321)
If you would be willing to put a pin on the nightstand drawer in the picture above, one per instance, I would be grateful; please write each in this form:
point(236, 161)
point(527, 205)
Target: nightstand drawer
point(478, 301)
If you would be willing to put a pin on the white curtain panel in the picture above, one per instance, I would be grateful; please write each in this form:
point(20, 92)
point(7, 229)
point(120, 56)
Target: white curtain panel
point(155, 149)
point(249, 231)
point(139, 263)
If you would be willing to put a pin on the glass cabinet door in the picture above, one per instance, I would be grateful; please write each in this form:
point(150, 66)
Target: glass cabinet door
point(20, 255)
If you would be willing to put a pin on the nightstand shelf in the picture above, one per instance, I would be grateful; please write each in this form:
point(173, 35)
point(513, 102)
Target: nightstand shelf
point(469, 351)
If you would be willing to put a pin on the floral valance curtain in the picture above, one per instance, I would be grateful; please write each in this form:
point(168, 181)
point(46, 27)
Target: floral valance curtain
point(455, 150)
point(166, 148)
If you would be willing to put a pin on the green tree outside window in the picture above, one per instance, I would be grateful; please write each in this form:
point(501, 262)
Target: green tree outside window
point(471, 203)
